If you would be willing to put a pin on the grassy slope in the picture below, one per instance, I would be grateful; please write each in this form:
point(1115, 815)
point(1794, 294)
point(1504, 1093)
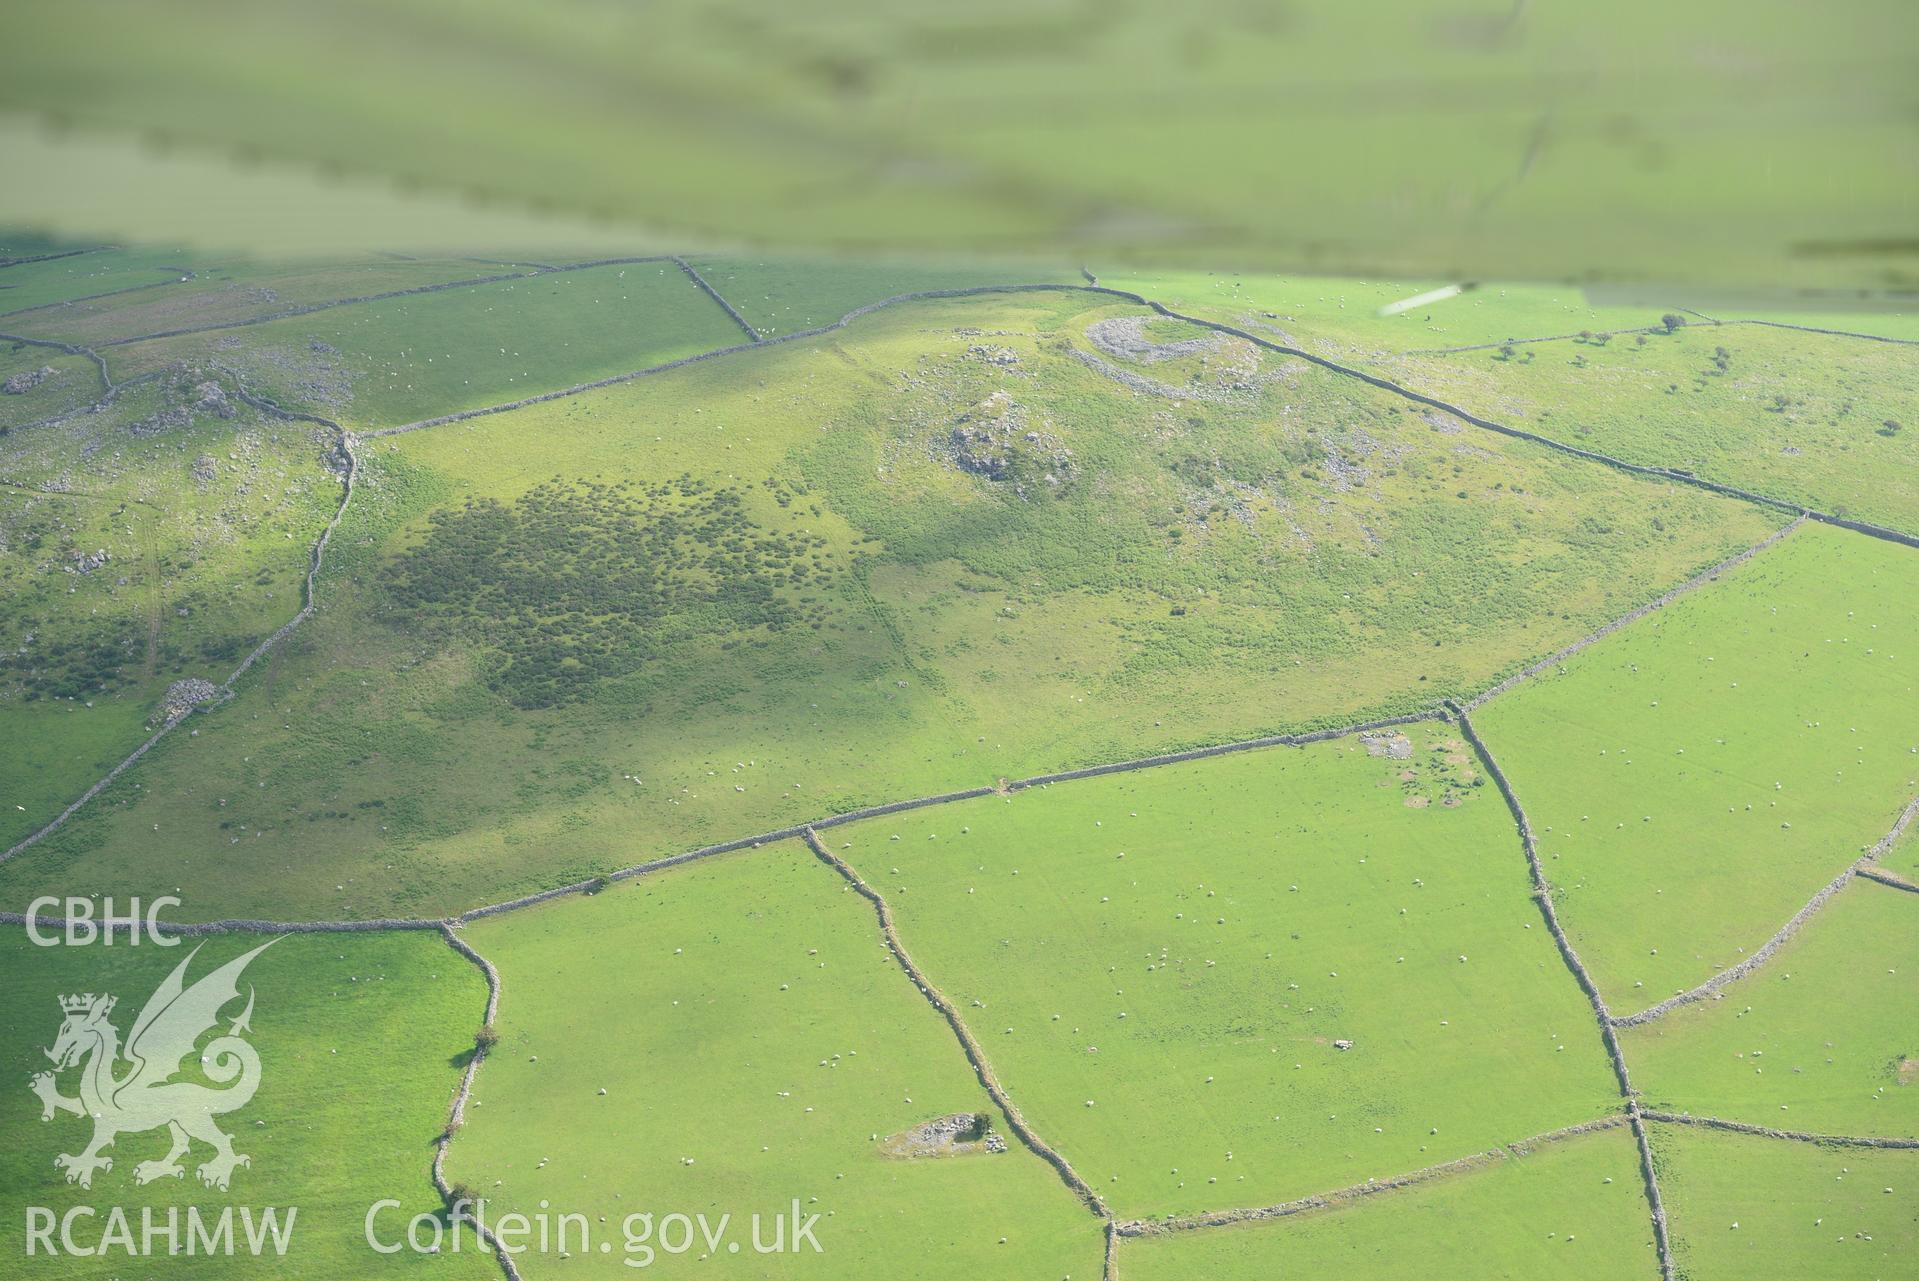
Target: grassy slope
point(432, 354)
point(782, 295)
point(1801, 1211)
point(742, 1013)
point(1814, 1041)
point(357, 1039)
point(1303, 529)
point(208, 526)
point(1266, 906)
point(1695, 778)
point(1573, 1209)
point(1829, 422)
point(53, 751)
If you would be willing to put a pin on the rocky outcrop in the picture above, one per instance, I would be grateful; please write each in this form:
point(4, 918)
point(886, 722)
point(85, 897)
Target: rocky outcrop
point(994, 439)
point(211, 398)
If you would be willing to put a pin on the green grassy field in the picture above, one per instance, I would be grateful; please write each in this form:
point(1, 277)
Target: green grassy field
point(1570, 1209)
point(359, 1041)
point(1819, 1039)
point(755, 989)
point(205, 522)
point(1694, 779)
point(35, 284)
point(1901, 325)
point(1160, 966)
point(18, 244)
point(231, 290)
point(1903, 857)
point(1749, 1207)
point(1338, 316)
point(881, 617)
point(382, 364)
point(783, 295)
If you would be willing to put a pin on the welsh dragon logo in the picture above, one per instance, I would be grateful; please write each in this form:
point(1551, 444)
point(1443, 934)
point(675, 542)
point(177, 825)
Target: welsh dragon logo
point(142, 1094)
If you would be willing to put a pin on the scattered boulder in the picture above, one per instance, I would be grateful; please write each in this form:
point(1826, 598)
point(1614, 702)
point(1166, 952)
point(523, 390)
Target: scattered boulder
point(172, 418)
point(1396, 747)
point(1124, 338)
point(87, 562)
point(22, 383)
point(946, 1136)
point(185, 695)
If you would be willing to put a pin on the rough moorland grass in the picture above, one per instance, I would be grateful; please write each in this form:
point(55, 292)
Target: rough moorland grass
point(1694, 779)
point(782, 295)
point(385, 363)
point(951, 628)
point(727, 1038)
point(1829, 422)
point(225, 291)
point(1820, 1039)
point(359, 1041)
point(1161, 966)
point(1570, 1209)
point(1823, 420)
point(1744, 1207)
point(206, 524)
